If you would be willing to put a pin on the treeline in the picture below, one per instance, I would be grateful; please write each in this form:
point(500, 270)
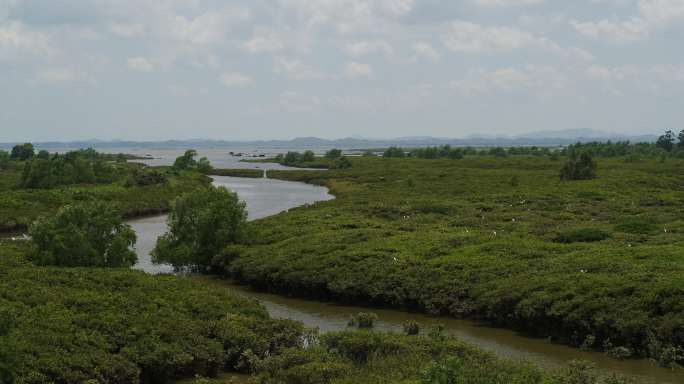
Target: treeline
point(77, 167)
point(333, 159)
point(667, 145)
point(449, 152)
point(88, 166)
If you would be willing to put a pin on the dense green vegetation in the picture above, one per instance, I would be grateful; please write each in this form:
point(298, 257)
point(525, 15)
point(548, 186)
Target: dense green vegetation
point(362, 357)
point(90, 234)
point(76, 325)
point(333, 159)
point(201, 223)
point(137, 192)
point(252, 173)
point(4, 160)
point(667, 145)
point(578, 166)
point(78, 167)
point(22, 151)
point(71, 325)
point(188, 162)
point(116, 325)
point(597, 262)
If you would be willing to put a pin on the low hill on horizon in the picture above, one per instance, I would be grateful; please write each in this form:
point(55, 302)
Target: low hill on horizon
point(540, 138)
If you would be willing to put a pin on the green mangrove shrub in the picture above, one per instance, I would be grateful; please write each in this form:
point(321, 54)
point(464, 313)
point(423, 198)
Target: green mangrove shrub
point(636, 225)
point(582, 235)
point(89, 234)
point(363, 320)
point(411, 327)
point(201, 223)
point(578, 166)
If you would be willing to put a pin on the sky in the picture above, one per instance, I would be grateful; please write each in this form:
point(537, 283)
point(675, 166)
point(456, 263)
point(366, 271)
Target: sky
point(279, 69)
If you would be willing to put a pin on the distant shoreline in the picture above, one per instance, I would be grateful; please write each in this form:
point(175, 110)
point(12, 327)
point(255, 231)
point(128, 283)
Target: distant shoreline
point(345, 143)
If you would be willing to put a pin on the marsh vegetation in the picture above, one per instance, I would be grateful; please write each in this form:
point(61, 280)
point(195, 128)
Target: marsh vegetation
point(594, 262)
point(589, 262)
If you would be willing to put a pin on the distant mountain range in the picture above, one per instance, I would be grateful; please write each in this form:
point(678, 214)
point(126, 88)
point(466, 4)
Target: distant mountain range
point(541, 138)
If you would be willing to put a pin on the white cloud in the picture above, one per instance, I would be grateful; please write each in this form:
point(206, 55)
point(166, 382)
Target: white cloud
point(612, 74)
point(362, 48)
point(264, 40)
point(127, 30)
point(140, 64)
point(543, 80)
point(662, 12)
point(61, 76)
point(507, 3)
point(354, 70)
point(18, 41)
point(349, 16)
point(466, 37)
point(424, 49)
point(291, 101)
point(55, 76)
point(653, 15)
point(470, 38)
point(296, 70)
point(234, 79)
point(621, 31)
point(210, 27)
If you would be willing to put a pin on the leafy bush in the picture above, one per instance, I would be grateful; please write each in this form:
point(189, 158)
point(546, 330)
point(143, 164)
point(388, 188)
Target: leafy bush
point(90, 234)
point(636, 225)
point(201, 223)
point(306, 160)
point(620, 353)
point(82, 166)
point(583, 235)
point(22, 152)
point(188, 162)
point(444, 151)
point(333, 154)
point(578, 167)
point(144, 177)
point(7, 358)
point(4, 160)
point(394, 152)
point(411, 328)
point(671, 357)
point(342, 163)
point(363, 320)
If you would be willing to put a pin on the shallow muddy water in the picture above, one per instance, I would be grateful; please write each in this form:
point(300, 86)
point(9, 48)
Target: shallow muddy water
point(265, 197)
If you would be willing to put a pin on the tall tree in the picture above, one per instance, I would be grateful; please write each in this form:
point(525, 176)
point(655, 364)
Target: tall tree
point(680, 144)
point(333, 153)
point(201, 223)
point(90, 234)
point(579, 166)
point(22, 151)
point(187, 161)
point(4, 160)
point(666, 141)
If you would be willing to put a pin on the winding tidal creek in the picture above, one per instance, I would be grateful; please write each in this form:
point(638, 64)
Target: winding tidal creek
point(266, 197)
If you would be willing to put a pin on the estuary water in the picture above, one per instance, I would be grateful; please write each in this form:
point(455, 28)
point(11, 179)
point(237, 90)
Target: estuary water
point(263, 197)
point(266, 197)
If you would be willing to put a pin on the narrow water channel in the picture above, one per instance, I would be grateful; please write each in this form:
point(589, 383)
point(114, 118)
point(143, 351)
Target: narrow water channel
point(265, 197)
